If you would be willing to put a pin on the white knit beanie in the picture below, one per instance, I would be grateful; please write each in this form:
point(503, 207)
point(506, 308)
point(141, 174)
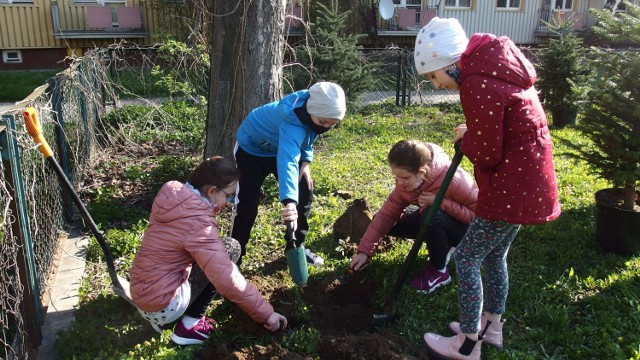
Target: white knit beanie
point(439, 44)
point(326, 101)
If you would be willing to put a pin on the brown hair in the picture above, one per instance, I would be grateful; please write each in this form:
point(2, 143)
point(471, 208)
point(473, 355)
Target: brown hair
point(411, 155)
point(214, 171)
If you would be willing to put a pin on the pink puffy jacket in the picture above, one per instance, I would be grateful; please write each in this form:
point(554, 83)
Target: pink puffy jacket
point(182, 230)
point(459, 201)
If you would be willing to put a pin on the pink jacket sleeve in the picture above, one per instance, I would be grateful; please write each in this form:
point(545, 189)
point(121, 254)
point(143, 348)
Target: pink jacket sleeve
point(385, 219)
point(225, 276)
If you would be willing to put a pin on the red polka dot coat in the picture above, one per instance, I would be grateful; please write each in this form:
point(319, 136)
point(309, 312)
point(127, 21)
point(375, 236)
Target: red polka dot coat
point(507, 137)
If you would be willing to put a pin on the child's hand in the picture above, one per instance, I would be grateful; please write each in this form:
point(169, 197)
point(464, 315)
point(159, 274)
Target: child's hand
point(290, 213)
point(359, 261)
point(276, 322)
point(460, 130)
point(426, 199)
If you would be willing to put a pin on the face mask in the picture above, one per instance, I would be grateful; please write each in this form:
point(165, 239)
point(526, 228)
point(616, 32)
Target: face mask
point(418, 183)
point(318, 129)
point(454, 72)
point(305, 119)
point(216, 208)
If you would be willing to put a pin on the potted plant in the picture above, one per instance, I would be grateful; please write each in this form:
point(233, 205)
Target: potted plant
point(612, 122)
point(562, 71)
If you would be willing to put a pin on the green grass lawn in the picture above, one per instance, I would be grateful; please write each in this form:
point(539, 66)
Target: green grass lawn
point(568, 299)
point(16, 85)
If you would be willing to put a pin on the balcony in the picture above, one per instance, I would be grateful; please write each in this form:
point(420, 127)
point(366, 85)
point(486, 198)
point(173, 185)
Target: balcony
point(77, 20)
point(406, 21)
point(582, 21)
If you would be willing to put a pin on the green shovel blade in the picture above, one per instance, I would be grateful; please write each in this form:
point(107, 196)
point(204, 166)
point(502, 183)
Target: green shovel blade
point(298, 268)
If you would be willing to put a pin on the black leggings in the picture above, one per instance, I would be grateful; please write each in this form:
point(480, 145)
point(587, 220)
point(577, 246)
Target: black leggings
point(254, 170)
point(444, 232)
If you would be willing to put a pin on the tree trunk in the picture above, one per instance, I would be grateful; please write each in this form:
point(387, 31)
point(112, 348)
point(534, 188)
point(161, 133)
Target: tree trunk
point(629, 200)
point(246, 66)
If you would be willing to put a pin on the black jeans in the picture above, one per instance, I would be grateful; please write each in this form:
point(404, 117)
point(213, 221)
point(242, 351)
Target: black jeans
point(443, 232)
point(254, 170)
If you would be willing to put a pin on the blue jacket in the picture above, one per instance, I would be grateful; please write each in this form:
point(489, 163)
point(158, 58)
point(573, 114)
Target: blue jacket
point(274, 130)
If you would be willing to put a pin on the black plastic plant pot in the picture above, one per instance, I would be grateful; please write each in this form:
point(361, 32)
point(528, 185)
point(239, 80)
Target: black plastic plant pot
point(564, 116)
point(617, 230)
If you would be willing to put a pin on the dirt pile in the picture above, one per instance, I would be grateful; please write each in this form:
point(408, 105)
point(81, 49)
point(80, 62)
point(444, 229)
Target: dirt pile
point(342, 312)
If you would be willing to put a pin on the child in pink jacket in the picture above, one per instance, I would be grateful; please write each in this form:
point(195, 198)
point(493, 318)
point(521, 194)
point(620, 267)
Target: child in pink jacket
point(182, 231)
point(419, 169)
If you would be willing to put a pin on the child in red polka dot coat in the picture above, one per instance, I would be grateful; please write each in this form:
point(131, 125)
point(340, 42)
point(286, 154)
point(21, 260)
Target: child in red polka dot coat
point(506, 137)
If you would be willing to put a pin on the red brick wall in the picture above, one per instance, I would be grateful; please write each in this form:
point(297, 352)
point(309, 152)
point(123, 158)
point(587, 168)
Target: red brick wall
point(37, 59)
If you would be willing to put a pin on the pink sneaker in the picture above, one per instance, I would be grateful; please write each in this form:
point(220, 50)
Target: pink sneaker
point(196, 335)
point(430, 279)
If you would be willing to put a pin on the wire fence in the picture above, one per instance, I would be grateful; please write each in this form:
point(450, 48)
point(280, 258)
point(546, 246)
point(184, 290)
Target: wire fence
point(396, 80)
point(34, 205)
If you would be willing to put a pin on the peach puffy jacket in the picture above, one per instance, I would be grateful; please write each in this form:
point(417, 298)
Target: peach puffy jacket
point(183, 230)
point(459, 201)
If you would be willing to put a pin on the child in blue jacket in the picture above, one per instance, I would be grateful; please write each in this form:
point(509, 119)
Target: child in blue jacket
point(277, 138)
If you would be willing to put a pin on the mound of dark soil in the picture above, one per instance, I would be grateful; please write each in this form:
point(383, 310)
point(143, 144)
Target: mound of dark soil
point(342, 312)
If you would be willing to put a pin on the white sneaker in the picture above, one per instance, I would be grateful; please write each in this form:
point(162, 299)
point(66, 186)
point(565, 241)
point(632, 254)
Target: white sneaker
point(313, 259)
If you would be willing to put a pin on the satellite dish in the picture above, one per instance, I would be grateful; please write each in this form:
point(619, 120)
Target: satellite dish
point(386, 9)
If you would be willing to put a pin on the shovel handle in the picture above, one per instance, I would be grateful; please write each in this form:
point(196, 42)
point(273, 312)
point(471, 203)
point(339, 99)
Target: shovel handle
point(33, 128)
point(291, 234)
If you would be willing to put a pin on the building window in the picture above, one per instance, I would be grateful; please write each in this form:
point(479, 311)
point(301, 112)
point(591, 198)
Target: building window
point(99, 2)
point(407, 3)
point(463, 4)
point(11, 56)
point(508, 4)
point(16, 1)
point(563, 4)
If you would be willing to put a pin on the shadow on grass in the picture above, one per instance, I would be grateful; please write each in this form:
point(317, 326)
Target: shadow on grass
point(107, 322)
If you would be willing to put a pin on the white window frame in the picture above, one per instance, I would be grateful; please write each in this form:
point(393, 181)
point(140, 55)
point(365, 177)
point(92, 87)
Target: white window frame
point(509, 6)
point(100, 2)
point(16, 2)
point(563, 5)
point(407, 3)
point(7, 60)
point(458, 6)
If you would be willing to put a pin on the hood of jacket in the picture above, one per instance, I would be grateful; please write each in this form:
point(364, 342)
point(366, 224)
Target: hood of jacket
point(480, 59)
point(175, 200)
point(439, 165)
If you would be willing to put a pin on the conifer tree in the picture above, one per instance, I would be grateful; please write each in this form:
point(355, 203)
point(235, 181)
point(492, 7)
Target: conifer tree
point(333, 55)
point(612, 114)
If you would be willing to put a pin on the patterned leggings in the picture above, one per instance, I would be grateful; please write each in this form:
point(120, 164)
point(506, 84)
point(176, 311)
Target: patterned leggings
point(486, 244)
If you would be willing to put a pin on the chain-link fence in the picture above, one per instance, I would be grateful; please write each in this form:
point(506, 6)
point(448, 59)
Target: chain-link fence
point(34, 205)
point(396, 80)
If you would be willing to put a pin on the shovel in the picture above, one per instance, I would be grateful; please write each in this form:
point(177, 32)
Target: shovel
point(296, 259)
point(33, 128)
point(390, 305)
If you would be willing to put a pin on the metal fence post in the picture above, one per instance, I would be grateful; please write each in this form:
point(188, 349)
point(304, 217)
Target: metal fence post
point(18, 205)
point(55, 92)
point(398, 77)
point(83, 109)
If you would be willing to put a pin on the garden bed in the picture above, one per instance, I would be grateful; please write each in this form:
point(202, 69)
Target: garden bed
point(341, 311)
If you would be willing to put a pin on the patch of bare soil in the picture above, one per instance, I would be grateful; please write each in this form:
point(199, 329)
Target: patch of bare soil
point(342, 312)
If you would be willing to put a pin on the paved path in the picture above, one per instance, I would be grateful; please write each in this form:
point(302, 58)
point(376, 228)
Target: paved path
point(63, 292)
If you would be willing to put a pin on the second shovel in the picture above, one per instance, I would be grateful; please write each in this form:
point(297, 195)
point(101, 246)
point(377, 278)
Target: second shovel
point(296, 258)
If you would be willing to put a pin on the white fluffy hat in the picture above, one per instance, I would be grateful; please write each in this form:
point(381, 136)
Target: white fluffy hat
point(439, 44)
point(327, 101)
